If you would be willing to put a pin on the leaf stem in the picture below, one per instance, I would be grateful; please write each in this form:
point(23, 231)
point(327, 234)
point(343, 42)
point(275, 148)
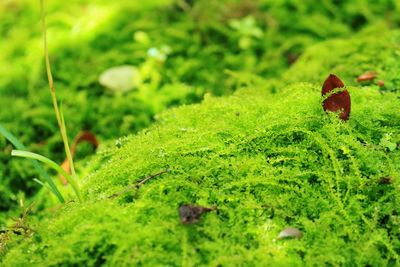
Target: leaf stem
point(58, 112)
point(17, 144)
point(50, 163)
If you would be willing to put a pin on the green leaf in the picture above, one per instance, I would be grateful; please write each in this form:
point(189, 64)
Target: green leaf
point(13, 140)
point(50, 163)
point(386, 143)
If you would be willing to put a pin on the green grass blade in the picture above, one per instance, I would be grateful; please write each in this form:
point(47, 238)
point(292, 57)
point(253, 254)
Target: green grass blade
point(50, 163)
point(41, 183)
point(67, 148)
point(13, 140)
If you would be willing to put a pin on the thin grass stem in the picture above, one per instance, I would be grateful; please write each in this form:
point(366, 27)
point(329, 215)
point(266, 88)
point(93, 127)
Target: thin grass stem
point(13, 140)
point(58, 112)
point(52, 164)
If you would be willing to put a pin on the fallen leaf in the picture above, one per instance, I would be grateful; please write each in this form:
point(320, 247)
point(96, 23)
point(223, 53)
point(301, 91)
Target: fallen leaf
point(381, 83)
point(84, 136)
point(339, 101)
point(120, 78)
point(191, 214)
point(367, 76)
point(292, 58)
point(290, 232)
point(385, 180)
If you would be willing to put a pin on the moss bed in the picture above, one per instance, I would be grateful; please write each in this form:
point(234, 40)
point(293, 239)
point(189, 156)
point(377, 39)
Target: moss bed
point(266, 156)
point(267, 161)
point(212, 49)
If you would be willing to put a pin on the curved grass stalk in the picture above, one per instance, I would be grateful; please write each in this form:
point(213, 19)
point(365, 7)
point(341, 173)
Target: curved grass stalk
point(49, 182)
point(41, 183)
point(52, 164)
point(57, 110)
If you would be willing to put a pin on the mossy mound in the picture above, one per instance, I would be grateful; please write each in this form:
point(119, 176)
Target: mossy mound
point(267, 161)
point(376, 49)
point(267, 157)
point(203, 40)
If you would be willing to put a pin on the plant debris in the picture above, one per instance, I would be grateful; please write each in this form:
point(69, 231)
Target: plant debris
point(336, 101)
point(191, 214)
point(138, 184)
point(20, 228)
point(381, 83)
point(292, 58)
point(84, 136)
point(386, 180)
point(290, 232)
point(367, 76)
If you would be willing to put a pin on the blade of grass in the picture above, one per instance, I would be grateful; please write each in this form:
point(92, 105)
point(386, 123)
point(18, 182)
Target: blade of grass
point(59, 114)
point(67, 149)
point(50, 163)
point(13, 140)
point(42, 184)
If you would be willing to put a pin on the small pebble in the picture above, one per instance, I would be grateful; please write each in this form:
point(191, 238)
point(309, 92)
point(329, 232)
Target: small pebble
point(367, 76)
point(290, 232)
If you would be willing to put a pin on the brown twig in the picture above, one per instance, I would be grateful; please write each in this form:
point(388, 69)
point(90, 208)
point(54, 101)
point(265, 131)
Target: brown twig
point(19, 227)
point(138, 184)
point(184, 6)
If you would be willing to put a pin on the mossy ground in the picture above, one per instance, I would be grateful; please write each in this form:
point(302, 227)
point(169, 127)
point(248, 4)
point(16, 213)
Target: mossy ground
point(206, 42)
point(268, 156)
point(267, 161)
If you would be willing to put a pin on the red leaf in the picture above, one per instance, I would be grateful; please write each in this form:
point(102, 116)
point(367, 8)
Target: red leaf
point(367, 76)
point(338, 101)
point(84, 136)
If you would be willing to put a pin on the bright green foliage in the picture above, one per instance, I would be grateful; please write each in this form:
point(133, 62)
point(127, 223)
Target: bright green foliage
point(51, 164)
point(42, 173)
point(192, 44)
point(267, 161)
point(268, 156)
point(376, 50)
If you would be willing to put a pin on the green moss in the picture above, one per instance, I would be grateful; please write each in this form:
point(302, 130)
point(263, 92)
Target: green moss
point(267, 161)
point(376, 49)
point(268, 157)
point(88, 37)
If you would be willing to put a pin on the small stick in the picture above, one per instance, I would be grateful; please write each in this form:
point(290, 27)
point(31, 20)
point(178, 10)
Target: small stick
point(182, 4)
point(138, 184)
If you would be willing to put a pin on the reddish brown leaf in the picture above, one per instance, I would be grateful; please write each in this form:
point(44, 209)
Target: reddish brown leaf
point(381, 83)
point(367, 76)
point(386, 180)
point(291, 58)
point(191, 214)
point(84, 136)
point(338, 101)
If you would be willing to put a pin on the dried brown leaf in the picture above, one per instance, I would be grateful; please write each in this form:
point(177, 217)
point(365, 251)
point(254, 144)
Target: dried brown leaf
point(84, 136)
point(367, 76)
point(339, 101)
point(191, 214)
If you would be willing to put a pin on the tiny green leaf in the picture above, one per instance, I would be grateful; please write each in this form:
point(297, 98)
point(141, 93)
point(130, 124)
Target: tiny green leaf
point(50, 163)
point(386, 143)
point(13, 140)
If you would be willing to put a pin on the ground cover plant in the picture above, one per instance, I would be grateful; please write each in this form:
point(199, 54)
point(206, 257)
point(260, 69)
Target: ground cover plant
point(261, 176)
